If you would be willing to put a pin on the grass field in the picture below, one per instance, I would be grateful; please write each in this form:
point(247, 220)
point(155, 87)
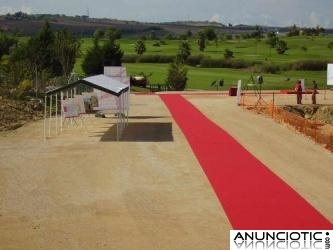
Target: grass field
point(201, 78)
point(249, 50)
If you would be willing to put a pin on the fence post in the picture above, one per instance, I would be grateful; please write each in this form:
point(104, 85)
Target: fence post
point(273, 105)
point(315, 125)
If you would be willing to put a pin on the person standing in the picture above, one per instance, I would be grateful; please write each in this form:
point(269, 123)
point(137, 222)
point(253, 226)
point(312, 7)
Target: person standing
point(314, 92)
point(298, 89)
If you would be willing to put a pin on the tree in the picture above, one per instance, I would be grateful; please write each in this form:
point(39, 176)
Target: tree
point(153, 36)
point(112, 54)
point(330, 45)
point(6, 42)
point(189, 33)
point(169, 36)
point(304, 48)
point(93, 61)
point(281, 47)
point(177, 76)
point(272, 39)
point(43, 48)
point(66, 49)
point(202, 41)
point(112, 34)
point(140, 47)
point(294, 31)
point(99, 34)
point(184, 51)
point(228, 54)
point(258, 32)
point(97, 57)
point(210, 34)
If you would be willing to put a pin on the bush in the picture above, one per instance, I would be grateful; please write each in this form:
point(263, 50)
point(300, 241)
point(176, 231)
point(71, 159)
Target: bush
point(267, 68)
point(177, 76)
point(25, 85)
point(228, 54)
point(130, 58)
point(271, 68)
point(315, 65)
point(207, 62)
point(281, 47)
point(156, 59)
point(194, 60)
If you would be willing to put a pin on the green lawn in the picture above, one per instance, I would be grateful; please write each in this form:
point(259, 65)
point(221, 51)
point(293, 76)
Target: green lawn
point(251, 50)
point(201, 78)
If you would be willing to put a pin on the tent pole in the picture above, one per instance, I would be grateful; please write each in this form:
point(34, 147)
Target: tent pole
point(118, 101)
point(45, 103)
point(127, 107)
point(50, 116)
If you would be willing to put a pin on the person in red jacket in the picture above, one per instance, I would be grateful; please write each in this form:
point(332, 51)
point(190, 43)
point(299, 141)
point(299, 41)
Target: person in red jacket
point(298, 89)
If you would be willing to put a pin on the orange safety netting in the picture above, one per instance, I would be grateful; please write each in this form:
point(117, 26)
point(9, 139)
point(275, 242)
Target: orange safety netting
point(305, 126)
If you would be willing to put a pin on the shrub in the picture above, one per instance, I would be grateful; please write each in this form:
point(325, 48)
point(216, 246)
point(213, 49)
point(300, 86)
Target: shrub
point(156, 58)
point(207, 62)
point(130, 58)
point(270, 68)
point(25, 85)
point(177, 76)
point(281, 47)
point(228, 54)
point(194, 60)
point(266, 68)
point(315, 65)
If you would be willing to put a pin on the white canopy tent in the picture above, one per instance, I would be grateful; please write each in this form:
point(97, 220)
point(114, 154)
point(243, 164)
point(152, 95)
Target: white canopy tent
point(102, 83)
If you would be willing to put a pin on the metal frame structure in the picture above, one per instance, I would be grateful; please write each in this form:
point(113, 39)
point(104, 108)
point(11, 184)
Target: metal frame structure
point(101, 82)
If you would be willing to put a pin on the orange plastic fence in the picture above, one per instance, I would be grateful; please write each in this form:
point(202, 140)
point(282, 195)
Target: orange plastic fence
point(307, 127)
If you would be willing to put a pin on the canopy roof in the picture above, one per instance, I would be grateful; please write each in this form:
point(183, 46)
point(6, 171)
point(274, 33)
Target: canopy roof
point(100, 82)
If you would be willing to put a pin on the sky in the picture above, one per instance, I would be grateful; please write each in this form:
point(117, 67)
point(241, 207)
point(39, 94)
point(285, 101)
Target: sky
point(307, 13)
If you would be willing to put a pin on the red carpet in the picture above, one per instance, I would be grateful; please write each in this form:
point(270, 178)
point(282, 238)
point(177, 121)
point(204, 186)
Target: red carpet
point(252, 196)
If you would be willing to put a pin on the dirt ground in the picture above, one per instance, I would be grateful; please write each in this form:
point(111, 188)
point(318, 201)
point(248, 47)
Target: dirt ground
point(82, 189)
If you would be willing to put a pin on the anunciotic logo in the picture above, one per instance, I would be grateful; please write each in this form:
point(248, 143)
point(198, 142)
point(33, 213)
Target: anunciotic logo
point(279, 239)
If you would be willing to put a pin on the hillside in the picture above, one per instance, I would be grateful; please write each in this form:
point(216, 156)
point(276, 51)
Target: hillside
point(84, 26)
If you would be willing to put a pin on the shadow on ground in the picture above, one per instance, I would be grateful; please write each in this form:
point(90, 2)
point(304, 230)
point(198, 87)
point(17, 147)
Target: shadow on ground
point(141, 132)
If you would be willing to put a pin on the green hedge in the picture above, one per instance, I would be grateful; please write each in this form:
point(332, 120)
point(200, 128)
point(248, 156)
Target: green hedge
point(207, 62)
point(315, 65)
point(148, 58)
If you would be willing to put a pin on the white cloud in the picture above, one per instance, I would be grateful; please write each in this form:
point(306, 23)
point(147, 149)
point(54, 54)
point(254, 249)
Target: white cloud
point(26, 9)
point(215, 18)
point(8, 9)
point(5, 9)
point(314, 20)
